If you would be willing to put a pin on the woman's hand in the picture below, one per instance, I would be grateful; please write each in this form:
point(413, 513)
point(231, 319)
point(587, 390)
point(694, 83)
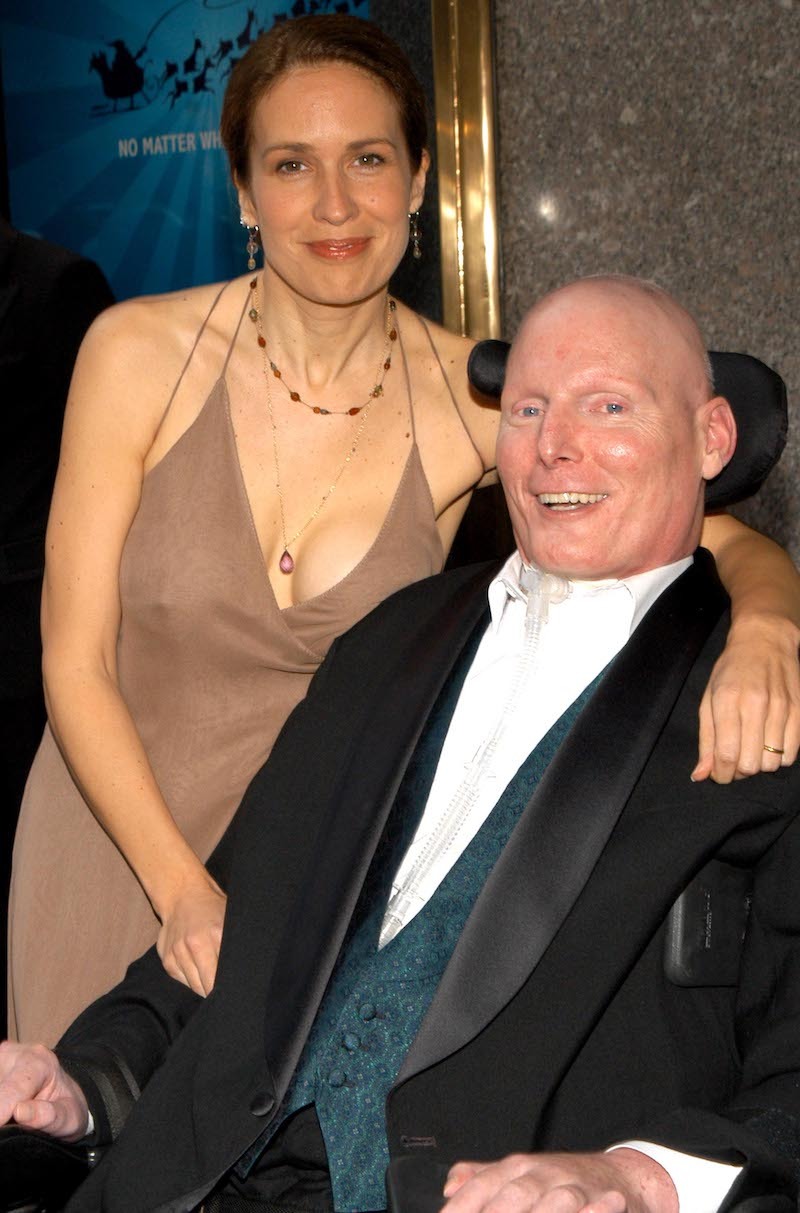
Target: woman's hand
point(750, 712)
point(191, 933)
point(753, 698)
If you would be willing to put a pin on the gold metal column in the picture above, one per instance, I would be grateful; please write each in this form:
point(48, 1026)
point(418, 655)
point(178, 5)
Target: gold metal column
point(464, 88)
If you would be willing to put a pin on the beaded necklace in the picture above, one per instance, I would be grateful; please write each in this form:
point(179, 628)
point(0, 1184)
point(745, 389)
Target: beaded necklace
point(269, 366)
point(286, 564)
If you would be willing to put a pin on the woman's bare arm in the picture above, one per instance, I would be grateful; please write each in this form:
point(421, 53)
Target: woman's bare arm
point(112, 416)
point(753, 696)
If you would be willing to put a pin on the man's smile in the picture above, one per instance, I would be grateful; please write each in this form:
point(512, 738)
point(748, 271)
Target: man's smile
point(561, 501)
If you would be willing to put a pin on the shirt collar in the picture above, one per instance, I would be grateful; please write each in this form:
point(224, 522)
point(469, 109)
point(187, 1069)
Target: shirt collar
point(643, 588)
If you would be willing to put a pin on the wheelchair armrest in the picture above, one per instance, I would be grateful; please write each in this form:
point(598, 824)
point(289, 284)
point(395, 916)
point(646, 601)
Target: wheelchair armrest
point(39, 1173)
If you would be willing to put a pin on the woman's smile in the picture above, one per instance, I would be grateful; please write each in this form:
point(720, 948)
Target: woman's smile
point(339, 250)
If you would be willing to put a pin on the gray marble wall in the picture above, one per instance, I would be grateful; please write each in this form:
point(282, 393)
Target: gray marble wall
point(660, 138)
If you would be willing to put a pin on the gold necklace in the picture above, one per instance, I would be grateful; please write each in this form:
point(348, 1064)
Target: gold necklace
point(269, 366)
point(286, 564)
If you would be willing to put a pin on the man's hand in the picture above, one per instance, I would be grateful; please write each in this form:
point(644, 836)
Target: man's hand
point(37, 1094)
point(623, 1181)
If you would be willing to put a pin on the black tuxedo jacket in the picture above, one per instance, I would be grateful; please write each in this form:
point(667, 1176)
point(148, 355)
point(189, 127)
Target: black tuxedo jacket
point(555, 1024)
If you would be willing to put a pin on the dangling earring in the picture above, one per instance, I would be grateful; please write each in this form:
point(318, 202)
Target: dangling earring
point(251, 247)
point(415, 235)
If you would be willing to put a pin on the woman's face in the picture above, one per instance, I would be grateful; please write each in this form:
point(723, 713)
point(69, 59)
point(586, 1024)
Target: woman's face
point(331, 184)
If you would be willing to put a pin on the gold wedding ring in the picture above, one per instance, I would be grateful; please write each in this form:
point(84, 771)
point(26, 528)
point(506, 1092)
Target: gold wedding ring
point(772, 749)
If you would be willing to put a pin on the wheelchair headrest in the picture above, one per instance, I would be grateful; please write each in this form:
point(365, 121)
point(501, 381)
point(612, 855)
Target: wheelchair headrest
point(756, 393)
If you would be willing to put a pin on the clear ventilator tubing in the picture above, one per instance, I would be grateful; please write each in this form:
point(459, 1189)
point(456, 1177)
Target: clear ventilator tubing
point(542, 589)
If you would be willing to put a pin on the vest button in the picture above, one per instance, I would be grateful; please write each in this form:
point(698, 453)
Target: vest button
point(350, 1042)
point(262, 1105)
point(367, 1011)
point(337, 1078)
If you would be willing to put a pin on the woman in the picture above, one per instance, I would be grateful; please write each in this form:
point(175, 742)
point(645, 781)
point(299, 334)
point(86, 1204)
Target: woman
point(245, 472)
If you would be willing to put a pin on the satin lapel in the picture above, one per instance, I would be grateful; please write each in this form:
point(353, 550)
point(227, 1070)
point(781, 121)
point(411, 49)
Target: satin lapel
point(356, 822)
point(569, 818)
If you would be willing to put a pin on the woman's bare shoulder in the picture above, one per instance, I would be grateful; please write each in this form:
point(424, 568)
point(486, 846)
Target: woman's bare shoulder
point(142, 344)
point(452, 351)
point(452, 348)
point(133, 355)
point(154, 323)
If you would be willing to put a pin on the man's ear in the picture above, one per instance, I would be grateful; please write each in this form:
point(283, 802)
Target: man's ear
point(720, 436)
point(418, 182)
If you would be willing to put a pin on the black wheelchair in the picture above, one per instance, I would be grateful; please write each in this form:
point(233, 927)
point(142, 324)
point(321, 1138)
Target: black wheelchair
point(39, 1174)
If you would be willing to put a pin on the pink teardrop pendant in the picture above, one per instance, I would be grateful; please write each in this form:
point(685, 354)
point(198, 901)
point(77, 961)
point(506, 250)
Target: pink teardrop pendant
point(286, 564)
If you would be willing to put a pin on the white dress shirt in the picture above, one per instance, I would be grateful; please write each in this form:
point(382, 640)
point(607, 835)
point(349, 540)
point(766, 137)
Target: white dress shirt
point(580, 637)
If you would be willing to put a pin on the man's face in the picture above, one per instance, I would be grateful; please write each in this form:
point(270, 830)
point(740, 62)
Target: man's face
point(606, 432)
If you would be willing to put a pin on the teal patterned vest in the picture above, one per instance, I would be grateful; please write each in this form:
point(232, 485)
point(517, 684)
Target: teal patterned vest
point(376, 1000)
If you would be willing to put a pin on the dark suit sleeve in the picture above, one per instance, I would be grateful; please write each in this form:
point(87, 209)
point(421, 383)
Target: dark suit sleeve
point(117, 1043)
point(759, 1125)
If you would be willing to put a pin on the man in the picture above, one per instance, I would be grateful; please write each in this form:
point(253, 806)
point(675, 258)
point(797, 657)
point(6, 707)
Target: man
point(520, 981)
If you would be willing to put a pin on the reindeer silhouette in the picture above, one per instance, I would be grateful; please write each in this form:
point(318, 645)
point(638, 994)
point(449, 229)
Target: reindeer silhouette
point(190, 64)
point(122, 78)
point(179, 88)
point(199, 82)
point(225, 47)
point(245, 38)
point(170, 70)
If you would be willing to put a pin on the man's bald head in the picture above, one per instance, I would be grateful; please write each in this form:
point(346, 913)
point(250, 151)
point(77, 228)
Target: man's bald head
point(645, 293)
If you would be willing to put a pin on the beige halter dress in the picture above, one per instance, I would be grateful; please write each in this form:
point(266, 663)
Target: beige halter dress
point(210, 668)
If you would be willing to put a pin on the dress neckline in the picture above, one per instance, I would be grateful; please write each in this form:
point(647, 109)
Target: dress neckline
point(221, 386)
point(413, 454)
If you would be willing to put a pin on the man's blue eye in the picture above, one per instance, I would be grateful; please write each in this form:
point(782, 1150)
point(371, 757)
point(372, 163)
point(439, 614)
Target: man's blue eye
point(614, 407)
point(530, 410)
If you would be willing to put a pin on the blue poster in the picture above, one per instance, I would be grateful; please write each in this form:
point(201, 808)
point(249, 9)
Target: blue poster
point(112, 114)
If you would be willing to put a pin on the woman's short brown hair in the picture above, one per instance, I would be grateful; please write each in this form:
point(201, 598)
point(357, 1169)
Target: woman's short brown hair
point(324, 38)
